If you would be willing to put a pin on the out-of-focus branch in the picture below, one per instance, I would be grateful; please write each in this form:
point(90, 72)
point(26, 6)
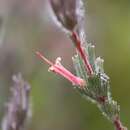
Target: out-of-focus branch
point(18, 106)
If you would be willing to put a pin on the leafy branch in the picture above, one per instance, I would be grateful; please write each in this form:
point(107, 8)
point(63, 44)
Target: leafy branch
point(91, 80)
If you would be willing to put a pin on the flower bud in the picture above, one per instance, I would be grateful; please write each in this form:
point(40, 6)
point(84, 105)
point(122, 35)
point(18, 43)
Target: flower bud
point(67, 12)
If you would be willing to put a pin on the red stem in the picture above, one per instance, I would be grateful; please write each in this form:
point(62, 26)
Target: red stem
point(83, 55)
point(118, 124)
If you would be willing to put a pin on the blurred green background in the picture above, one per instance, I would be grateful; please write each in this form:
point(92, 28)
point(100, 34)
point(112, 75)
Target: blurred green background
point(27, 26)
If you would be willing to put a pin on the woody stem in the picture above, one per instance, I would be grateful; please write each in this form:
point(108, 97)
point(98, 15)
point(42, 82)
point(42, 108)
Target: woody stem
point(118, 125)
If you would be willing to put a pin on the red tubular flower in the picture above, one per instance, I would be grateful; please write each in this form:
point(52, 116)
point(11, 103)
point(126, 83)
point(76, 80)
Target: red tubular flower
point(59, 69)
